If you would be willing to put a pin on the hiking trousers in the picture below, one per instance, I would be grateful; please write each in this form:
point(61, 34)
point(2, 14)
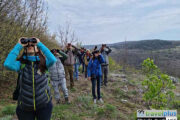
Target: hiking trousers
point(61, 83)
point(105, 70)
point(69, 71)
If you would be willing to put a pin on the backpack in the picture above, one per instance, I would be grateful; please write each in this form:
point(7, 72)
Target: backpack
point(16, 91)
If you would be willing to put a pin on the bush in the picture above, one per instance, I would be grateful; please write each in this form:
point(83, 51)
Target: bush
point(113, 65)
point(176, 104)
point(9, 110)
point(157, 86)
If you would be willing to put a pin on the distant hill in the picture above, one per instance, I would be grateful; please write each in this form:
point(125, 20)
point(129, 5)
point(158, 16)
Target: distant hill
point(153, 44)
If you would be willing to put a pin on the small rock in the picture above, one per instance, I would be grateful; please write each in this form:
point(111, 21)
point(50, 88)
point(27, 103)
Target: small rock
point(174, 79)
point(121, 70)
point(124, 80)
point(125, 88)
point(122, 100)
point(118, 75)
point(177, 94)
point(140, 90)
point(111, 79)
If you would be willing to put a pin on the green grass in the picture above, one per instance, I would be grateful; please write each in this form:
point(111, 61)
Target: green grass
point(64, 112)
point(73, 89)
point(8, 117)
point(118, 93)
point(9, 110)
point(107, 111)
point(85, 102)
point(178, 117)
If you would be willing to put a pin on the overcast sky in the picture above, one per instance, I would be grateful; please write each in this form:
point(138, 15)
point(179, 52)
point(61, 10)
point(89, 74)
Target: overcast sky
point(111, 21)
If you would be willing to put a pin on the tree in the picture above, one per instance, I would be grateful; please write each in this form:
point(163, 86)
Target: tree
point(67, 34)
point(158, 88)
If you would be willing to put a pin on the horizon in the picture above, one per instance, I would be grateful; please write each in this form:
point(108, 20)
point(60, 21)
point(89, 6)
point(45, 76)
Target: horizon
point(131, 41)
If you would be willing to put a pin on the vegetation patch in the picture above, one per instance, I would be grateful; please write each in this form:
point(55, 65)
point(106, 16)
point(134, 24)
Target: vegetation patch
point(9, 110)
point(107, 111)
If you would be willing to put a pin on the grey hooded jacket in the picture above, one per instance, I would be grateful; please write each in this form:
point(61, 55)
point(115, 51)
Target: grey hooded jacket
point(57, 70)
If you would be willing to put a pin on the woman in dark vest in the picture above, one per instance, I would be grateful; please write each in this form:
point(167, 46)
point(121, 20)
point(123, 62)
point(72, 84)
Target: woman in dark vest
point(34, 100)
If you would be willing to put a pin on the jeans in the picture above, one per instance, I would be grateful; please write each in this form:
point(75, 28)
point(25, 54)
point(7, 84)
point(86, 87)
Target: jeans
point(93, 81)
point(40, 114)
point(86, 66)
point(76, 70)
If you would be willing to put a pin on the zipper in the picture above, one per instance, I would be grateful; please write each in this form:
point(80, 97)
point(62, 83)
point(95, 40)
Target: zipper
point(47, 94)
point(33, 87)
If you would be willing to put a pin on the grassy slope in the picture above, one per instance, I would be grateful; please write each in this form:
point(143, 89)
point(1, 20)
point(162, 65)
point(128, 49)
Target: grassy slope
point(82, 108)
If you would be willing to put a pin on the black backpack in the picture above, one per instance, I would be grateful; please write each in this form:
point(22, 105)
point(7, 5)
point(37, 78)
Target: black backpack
point(16, 91)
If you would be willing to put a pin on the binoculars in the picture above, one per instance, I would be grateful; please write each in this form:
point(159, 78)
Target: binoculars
point(27, 40)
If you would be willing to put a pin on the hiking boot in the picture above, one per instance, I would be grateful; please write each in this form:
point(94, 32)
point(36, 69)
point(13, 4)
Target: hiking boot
point(58, 101)
point(94, 101)
point(101, 101)
point(72, 86)
point(67, 100)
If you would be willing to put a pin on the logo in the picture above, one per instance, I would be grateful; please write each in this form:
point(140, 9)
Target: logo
point(140, 113)
point(157, 114)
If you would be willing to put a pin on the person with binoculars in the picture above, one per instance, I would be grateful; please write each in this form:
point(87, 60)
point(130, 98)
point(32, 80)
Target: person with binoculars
point(95, 73)
point(105, 51)
point(34, 99)
point(70, 62)
point(57, 75)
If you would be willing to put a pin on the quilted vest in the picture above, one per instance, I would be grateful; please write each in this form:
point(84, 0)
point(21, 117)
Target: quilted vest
point(34, 90)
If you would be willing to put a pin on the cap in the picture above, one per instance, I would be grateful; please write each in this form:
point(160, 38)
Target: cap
point(96, 51)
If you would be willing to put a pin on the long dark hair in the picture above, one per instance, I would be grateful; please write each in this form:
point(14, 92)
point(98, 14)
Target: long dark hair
point(41, 63)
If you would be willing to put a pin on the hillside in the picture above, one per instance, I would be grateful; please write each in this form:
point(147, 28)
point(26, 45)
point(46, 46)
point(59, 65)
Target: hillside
point(154, 44)
point(122, 98)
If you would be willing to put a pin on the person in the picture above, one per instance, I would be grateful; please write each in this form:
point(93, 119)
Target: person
point(81, 58)
point(105, 50)
point(57, 75)
point(34, 100)
point(95, 73)
point(87, 58)
point(69, 64)
point(77, 63)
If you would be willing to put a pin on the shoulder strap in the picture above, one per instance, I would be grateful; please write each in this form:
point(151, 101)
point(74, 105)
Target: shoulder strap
point(22, 66)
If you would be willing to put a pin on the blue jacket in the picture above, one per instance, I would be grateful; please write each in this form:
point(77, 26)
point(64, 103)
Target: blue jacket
point(12, 64)
point(94, 66)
